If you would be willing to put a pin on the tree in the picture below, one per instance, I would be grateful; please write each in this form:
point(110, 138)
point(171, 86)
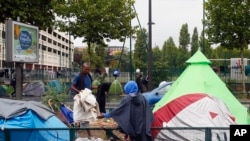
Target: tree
point(96, 20)
point(184, 41)
point(227, 24)
point(157, 67)
point(195, 41)
point(206, 47)
point(100, 52)
point(169, 56)
point(140, 52)
point(36, 12)
point(184, 38)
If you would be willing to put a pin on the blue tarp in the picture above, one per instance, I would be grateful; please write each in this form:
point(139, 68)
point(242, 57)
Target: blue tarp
point(31, 120)
point(68, 113)
point(57, 85)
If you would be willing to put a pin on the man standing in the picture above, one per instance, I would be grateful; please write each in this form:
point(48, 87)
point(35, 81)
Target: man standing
point(82, 80)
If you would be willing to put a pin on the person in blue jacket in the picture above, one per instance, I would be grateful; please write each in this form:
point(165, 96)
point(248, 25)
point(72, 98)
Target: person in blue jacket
point(82, 80)
point(133, 114)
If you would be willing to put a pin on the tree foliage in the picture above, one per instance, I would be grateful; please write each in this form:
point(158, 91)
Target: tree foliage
point(140, 51)
point(228, 23)
point(96, 20)
point(184, 41)
point(184, 38)
point(194, 41)
point(36, 12)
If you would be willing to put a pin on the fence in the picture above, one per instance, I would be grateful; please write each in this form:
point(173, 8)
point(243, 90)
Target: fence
point(163, 75)
point(71, 134)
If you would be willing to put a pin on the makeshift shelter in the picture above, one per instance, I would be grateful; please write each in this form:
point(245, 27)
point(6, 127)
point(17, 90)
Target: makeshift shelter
point(15, 114)
point(195, 99)
point(36, 88)
point(115, 88)
point(56, 85)
point(115, 91)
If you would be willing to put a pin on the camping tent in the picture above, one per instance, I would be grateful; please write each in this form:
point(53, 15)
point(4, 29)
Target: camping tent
point(36, 88)
point(56, 85)
point(16, 114)
point(198, 80)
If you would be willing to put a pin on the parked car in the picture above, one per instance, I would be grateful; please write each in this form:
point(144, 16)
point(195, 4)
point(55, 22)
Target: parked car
point(156, 94)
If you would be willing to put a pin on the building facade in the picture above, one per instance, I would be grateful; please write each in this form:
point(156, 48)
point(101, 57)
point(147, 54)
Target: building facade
point(56, 51)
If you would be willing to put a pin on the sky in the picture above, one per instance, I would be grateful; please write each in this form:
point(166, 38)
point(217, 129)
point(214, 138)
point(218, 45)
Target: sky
point(168, 16)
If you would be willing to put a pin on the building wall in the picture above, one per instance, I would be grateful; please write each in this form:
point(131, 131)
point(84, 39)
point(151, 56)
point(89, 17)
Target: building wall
point(55, 50)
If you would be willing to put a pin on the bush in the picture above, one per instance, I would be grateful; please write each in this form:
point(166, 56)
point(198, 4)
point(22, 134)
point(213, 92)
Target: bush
point(57, 98)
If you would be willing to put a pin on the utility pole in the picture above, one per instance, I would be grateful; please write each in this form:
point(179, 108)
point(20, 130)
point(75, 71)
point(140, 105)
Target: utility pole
point(42, 62)
point(150, 62)
point(70, 62)
point(130, 55)
point(19, 74)
point(203, 24)
point(3, 38)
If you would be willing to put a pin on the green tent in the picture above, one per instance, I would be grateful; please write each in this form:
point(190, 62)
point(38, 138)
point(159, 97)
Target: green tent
point(199, 77)
point(115, 88)
point(115, 92)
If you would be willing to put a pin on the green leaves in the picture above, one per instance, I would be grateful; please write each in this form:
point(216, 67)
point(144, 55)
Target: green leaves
point(38, 13)
point(96, 20)
point(227, 22)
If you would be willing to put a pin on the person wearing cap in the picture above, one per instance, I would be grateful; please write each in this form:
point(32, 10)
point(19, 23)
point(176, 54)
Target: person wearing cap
point(133, 114)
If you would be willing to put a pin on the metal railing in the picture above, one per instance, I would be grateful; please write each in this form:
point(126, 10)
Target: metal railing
point(71, 134)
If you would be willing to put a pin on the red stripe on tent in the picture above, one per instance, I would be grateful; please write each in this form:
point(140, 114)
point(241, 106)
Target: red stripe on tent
point(213, 115)
point(233, 118)
point(167, 112)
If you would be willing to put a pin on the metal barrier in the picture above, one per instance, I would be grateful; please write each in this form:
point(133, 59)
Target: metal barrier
point(71, 134)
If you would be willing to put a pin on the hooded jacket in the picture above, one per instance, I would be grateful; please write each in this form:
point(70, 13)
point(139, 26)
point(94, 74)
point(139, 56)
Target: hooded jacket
point(133, 114)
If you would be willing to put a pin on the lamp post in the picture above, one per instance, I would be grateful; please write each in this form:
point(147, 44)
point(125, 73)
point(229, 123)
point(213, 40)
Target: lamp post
point(42, 63)
point(70, 63)
point(3, 38)
point(150, 47)
point(203, 24)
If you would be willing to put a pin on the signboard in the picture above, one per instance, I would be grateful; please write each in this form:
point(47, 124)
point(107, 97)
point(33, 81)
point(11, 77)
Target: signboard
point(21, 42)
point(235, 65)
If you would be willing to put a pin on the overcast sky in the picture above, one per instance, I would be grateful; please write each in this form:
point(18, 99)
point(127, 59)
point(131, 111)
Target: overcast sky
point(168, 16)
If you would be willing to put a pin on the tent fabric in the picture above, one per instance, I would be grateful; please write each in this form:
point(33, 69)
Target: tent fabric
point(67, 112)
point(30, 114)
point(30, 120)
point(199, 77)
point(57, 85)
point(115, 87)
point(192, 110)
point(36, 88)
point(18, 107)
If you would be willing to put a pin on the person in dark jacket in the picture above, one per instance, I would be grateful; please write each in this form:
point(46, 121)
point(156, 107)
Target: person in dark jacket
point(102, 90)
point(133, 114)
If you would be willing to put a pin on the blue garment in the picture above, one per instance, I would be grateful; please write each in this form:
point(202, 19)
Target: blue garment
point(87, 81)
point(131, 87)
point(133, 114)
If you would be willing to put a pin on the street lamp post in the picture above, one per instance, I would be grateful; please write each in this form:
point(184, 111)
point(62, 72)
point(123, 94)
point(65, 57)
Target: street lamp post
point(70, 63)
point(150, 48)
point(3, 38)
point(203, 24)
point(42, 61)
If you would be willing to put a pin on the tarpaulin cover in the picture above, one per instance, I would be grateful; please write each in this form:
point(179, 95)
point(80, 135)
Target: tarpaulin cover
point(30, 114)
